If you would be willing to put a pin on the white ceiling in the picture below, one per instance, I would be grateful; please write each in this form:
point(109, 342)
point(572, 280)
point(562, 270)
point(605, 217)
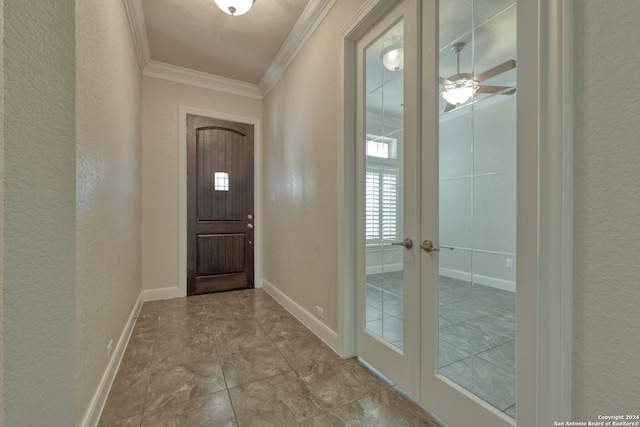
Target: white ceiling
point(197, 35)
point(181, 38)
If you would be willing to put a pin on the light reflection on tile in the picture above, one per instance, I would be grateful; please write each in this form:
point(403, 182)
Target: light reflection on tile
point(187, 354)
point(212, 410)
point(319, 421)
point(183, 348)
point(257, 404)
point(338, 382)
point(255, 363)
point(173, 382)
point(303, 349)
point(385, 408)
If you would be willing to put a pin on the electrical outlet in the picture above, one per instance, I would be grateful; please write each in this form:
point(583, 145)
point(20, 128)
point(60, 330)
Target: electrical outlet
point(509, 262)
point(320, 311)
point(110, 350)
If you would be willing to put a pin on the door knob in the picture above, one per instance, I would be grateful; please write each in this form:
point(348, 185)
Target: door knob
point(428, 246)
point(407, 243)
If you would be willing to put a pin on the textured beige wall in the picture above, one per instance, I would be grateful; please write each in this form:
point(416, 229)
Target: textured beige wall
point(108, 283)
point(300, 169)
point(39, 212)
point(161, 100)
point(606, 347)
point(1, 214)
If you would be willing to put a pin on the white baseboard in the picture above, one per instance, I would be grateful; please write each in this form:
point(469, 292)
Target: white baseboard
point(455, 274)
point(162, 293)
point(323, 332)
point(92, 415)
point(377, 269)
point(505, 285)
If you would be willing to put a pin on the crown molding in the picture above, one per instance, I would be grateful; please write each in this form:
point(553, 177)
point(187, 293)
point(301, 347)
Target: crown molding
point(190, 77)
point(138, 27)
point(304, 28)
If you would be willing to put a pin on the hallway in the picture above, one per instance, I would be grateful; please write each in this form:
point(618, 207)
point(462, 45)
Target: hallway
point(240, 359)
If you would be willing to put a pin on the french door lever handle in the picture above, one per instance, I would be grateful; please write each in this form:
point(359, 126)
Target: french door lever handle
point(407, 243)
point(428, 246)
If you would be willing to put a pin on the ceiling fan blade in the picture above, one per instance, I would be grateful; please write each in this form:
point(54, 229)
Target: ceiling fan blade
point(449, 107)
point(505, 66)
point(494, 89)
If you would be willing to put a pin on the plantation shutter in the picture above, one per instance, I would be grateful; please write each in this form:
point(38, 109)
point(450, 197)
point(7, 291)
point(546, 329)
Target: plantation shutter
point(381, 204)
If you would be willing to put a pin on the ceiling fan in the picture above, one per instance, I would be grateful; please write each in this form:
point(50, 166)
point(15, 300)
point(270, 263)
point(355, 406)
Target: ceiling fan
point(461, 86)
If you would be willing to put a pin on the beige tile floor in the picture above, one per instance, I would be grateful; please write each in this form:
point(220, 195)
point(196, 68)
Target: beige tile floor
point(240, 359)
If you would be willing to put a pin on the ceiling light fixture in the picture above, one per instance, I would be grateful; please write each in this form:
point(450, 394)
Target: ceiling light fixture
point(393, 55)
point(459, 88)
point(459, 91)
point(235, 7)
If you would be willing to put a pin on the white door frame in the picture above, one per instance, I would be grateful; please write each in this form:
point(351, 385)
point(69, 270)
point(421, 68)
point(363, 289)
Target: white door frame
point(182, 189)
point(545, 237)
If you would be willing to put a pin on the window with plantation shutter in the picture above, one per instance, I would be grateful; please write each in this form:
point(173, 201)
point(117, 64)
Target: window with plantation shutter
point(381, 192)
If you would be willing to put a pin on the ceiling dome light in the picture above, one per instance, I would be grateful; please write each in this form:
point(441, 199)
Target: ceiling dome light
point(394, 59)
point(235, 7)
point(393, 55)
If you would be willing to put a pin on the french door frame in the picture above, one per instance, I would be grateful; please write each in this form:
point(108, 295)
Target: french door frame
point(544, 203)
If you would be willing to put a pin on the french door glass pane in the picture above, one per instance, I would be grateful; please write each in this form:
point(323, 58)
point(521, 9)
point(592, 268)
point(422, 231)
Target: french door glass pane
point(383, 118)
point(477, 198)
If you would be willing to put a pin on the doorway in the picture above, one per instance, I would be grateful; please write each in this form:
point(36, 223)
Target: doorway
point(436, 240)
point(220, 205)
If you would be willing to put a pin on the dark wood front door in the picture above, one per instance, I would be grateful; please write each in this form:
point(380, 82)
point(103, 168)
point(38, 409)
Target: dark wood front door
point(219, 205)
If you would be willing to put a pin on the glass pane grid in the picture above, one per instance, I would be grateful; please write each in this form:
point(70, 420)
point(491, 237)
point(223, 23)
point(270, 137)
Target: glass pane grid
point(477, 210)
point(384, 118)
point(221, 181)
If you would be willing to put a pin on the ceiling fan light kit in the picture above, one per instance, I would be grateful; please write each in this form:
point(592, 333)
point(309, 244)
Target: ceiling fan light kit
point(459, 91)
point(461, 87)
point(235, 7)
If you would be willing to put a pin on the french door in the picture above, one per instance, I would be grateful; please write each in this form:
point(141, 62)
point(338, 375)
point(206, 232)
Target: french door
point(436, 206)
point(387, 170)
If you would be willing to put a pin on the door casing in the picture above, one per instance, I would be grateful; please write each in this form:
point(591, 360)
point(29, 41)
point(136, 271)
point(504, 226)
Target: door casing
point(181, 290)
point(545, 158)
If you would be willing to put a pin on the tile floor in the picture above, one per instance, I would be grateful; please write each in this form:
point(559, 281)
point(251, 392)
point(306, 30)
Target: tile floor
point(240, 359)
point(477, 333)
